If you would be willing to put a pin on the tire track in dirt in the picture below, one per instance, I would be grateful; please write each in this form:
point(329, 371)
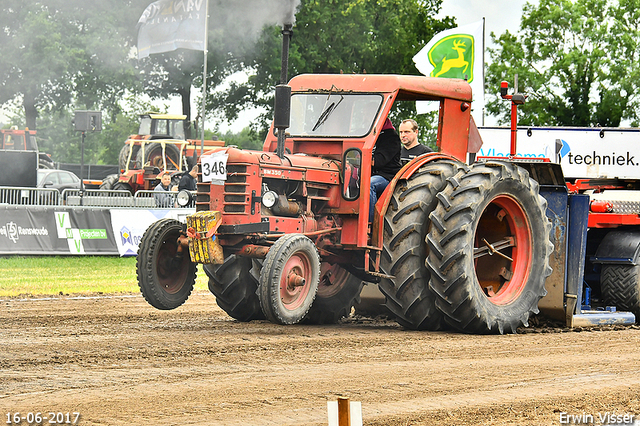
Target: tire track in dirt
point(118, 361)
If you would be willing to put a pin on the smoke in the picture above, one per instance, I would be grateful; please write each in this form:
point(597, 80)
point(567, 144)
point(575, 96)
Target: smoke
point(245, 19)
point(258, 12)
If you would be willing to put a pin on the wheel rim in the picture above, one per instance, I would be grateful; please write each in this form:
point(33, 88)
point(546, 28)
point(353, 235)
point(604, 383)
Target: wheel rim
point(502, 250)
point(332, 279)
point(171, 271)
point(155, 158)
point(295, 281)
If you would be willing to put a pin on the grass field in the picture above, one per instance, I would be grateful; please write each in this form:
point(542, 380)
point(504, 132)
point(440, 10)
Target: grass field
point(87, 275)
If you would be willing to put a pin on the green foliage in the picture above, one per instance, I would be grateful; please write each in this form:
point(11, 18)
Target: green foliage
point(56, 54)
point(57, 137)
point(59, 57)
point(247, 138)
point(576, 60)
point(358, 36)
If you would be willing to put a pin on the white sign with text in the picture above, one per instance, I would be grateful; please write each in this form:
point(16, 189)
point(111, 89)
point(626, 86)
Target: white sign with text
point(214, 167)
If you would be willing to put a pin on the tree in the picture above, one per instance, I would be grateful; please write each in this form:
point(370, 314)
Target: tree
point(334, 36)
point(245, 139)
point(577, 61)
point(56, 54)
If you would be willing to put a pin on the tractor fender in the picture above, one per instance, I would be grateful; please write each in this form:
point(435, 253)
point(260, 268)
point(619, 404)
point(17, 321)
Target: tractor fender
point(405, 172)
point(618, 248)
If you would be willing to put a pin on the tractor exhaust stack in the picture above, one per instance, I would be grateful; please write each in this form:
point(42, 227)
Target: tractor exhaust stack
point(282, 109)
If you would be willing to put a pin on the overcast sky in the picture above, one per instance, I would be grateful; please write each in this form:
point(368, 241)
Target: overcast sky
point(499, 15)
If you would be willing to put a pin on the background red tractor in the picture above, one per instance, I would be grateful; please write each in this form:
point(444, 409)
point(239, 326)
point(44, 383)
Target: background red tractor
point(20, 158)
point(161, 144)
point(24, 140)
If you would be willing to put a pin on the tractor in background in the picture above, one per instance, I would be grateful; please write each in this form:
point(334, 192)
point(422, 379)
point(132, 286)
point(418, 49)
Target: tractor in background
point(20, 158)
point(24, 140)
point(162, 143)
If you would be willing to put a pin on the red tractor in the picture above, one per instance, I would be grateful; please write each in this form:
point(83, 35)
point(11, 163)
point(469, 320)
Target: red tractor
point(283, 233)
point(24, 140)
point(161, 144)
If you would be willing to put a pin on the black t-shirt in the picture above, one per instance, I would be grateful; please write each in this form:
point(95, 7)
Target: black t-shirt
point(416, 151)
point(187, 182)
point(386, 154)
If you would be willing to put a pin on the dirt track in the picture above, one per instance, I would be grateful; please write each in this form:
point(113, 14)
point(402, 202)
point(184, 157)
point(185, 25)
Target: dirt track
point(118, 361)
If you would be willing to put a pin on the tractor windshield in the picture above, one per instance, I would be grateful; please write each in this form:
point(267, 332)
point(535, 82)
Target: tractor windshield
point(165, 127)
point(31, 142)
point(333, 114)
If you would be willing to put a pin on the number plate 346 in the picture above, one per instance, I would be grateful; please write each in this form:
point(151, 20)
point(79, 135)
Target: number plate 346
point(214, 167)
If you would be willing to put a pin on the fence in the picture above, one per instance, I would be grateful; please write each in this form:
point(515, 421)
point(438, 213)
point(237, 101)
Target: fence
point(29, 196)
point(88, 198)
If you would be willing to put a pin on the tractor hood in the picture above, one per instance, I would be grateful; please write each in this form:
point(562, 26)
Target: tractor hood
point(270, 159)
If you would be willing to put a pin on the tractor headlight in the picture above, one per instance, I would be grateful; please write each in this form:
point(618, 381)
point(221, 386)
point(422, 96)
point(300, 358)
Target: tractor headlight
point(269, 199)
point(184, 198)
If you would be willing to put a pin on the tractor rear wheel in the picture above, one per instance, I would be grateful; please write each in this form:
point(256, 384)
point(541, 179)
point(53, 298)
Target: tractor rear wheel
point(165, 275)
point(124, 154)
point(489, 249)
point(153, 156)
point(620, 286)
point(406, 224)
point(289, 279)
point(235, 285)
point(338, 291)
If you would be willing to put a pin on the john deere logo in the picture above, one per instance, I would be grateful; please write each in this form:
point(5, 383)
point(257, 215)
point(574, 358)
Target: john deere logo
point(453, 57)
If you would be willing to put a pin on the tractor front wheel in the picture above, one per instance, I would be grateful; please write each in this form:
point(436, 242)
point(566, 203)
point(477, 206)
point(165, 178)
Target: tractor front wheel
point(235, 285)
point(109, 181)
point(289, 279)
point(338, 291)
point(166, 274)
point(122, 186)
point(489, 249)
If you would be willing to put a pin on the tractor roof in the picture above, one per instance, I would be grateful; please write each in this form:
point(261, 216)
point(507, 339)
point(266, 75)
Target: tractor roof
point(158, 116)
point(410, 87)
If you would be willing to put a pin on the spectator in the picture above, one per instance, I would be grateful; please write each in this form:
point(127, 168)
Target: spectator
point(385, 163)
point(411, 148)
point(189, 180)
point(164, 199)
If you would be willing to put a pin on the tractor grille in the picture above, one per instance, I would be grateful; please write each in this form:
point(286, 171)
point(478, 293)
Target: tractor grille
point(236, 196)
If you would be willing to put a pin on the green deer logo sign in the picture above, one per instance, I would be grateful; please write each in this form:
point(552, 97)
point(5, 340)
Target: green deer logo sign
point(453, 57)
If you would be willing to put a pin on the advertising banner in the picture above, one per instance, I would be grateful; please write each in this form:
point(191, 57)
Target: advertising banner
point(582, 152)
point(167, 25)
point(128, 225)
point(29, 230)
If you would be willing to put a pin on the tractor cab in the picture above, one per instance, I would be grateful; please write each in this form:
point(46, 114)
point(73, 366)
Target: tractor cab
point(18, 140)
point(163, 126)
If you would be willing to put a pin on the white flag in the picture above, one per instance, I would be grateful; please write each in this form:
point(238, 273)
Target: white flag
point(167, 25)
point(457, 53)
